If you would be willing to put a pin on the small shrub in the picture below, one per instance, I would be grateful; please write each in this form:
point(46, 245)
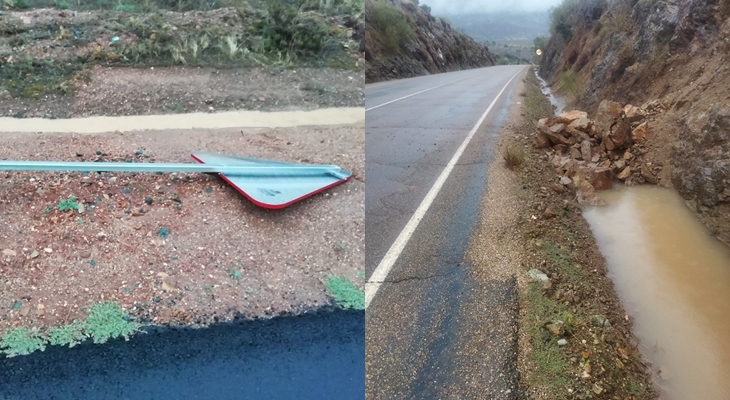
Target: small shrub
point(21, 341)
point(68, 204)
point(108, 321)
point(514, 157)
point(345, 293)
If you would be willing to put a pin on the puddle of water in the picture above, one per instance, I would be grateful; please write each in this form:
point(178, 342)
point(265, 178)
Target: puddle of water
point(558, 103)
point(230, 119)
point(673, 278)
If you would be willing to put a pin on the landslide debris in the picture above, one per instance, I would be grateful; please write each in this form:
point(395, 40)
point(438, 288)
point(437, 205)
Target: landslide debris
point(676, 53)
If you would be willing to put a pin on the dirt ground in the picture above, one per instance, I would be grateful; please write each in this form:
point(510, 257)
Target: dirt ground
point(223, 257)
point(116, 91)
point(538, 225)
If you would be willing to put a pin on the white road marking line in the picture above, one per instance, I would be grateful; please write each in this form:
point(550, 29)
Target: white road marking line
point(386, 264)
point(417, 93)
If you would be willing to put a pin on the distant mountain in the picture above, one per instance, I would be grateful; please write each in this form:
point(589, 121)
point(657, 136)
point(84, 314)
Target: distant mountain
point(503, 26)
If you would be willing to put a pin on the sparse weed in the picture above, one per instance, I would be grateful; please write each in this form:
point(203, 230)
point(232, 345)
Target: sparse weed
point(68, 335)
point(345, 293)
point(68, 204)
point(108, 321)
point(21, 341)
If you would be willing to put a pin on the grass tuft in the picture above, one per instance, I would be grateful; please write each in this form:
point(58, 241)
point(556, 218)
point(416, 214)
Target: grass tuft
point(514, 157)
point(345, 293)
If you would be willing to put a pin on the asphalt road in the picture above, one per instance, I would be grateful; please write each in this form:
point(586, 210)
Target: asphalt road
point(422, 340)
point(319, 356)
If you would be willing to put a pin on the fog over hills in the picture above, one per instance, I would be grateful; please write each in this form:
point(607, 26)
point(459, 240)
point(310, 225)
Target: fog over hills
point(503, 26)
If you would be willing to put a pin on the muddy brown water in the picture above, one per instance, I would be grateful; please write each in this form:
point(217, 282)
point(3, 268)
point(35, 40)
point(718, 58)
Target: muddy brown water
point(673, 279)
point(229, 119)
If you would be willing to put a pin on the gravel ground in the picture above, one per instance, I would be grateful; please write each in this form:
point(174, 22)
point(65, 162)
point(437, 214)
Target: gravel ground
point(169, 90)
point(56, 264)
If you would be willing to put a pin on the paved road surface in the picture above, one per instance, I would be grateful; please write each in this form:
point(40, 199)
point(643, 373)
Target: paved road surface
point(310, 357)
point(421, 336)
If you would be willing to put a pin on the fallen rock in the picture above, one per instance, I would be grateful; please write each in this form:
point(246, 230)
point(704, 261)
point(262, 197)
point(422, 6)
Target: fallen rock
point(562, 342)
point(567, 117)
point(581, 124)
point(555, 328)
point(585, 150)
point(608, 113)
point(575, 153)
point(585, 193)
point(623, 175)
point(549, 213)
point(35, 254)
point(541, 141)
point(565, 181)
point(9, 253)
point(536, 275)
point(640, 133)
point(601, 179)
point(648, 174)
point(634, 114)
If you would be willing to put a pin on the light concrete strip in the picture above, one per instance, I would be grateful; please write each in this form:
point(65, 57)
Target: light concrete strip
point(386, 264)
point(229, 119)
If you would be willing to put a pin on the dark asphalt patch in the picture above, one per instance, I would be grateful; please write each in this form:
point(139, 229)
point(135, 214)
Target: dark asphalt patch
point(317, 356)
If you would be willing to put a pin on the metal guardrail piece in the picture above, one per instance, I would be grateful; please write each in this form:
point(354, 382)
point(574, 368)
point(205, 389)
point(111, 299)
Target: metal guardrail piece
point(269, 184)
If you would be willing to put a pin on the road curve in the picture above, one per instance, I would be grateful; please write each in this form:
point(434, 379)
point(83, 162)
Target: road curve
point(420, 332)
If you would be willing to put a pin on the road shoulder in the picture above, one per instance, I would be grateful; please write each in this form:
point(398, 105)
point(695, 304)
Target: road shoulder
point(528, 221)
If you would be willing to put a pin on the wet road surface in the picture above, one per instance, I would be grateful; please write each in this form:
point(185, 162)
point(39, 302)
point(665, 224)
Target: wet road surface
point(421, 325)
point(319, 356)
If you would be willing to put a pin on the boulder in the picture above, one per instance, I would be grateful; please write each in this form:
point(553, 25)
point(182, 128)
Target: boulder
point(567, 117)
point(623, 175)
point(586, 194)
point(601, 178)
point(582, 124)
point(640, 133)
point(608, 113)
point(612, 123)
point(620, 134)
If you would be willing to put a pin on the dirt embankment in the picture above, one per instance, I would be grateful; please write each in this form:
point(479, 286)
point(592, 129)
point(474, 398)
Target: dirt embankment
point(403, 39)
point(61, 63)
point(575, 339)
point(673, 54)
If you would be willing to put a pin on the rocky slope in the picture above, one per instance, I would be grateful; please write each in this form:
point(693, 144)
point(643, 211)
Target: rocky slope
point(429, 46)
point(673, 54)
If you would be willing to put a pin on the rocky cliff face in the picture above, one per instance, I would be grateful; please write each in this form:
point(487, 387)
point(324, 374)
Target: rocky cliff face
point(432, 46)
point(674, 54)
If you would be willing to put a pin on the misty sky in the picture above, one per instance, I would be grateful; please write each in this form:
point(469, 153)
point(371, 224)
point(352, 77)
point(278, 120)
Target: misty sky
point(443, 7)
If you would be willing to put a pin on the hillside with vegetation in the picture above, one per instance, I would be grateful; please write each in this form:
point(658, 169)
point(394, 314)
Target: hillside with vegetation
point(403, 39)
point(50, 50)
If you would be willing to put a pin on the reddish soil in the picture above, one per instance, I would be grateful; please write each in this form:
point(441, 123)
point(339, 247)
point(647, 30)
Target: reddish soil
point(56, 264)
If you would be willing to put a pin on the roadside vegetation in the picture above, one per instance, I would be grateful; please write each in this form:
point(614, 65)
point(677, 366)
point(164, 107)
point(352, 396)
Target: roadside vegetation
point(47, 52)
point(105, 321)
point(575, 342)
point(391, 25)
